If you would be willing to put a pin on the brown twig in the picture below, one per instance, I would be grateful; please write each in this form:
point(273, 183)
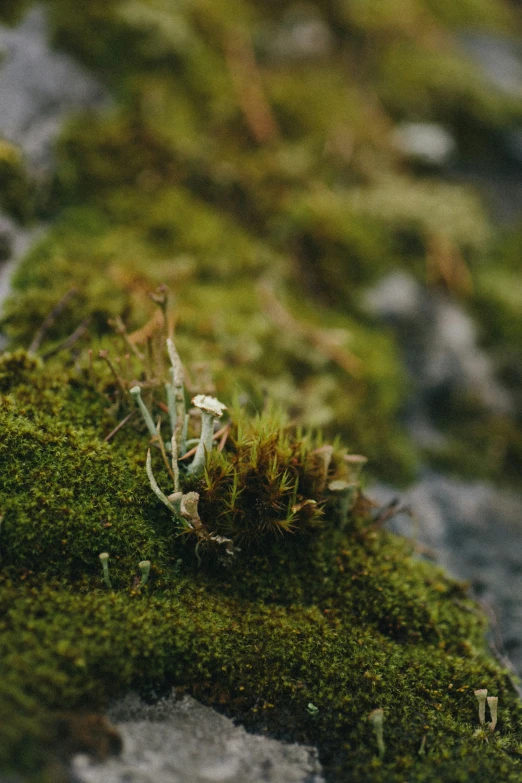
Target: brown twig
point(70, 341)
point(219, 434)
point(221, 444)
point(248, 83)
point(152, 327)
point(104, 354)
point(388, 512)
point(445, 264)
point(91, 368)
point(422, 549)
point(120, 426)
point(120, 328)
point(159, 441)
point(161, 297)
point(50, 319)
point(322, 339)
point(188, 454)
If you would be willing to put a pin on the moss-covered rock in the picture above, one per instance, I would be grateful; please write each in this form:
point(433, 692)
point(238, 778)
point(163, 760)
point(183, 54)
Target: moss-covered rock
point(322, 608)
point(268, 225)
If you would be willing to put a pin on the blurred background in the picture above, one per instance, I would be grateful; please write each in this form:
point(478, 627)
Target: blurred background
point(331, 190)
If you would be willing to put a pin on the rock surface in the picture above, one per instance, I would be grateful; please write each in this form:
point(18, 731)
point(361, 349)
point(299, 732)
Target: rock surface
point(439, 341)
point(185, 742)
point(475, 531)
point(39, 88)
point(472, 528)
point(14, 244)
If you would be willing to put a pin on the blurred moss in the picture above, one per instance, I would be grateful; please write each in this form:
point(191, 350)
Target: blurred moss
point(174, 186)
point(13, 12)
point(17, 192)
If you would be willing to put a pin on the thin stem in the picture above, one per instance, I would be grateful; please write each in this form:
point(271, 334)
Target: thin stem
point(50, 319)
point(171, 404)
point(104, 559)
point(154, 485)
point(144, 567)
point(69, 341)
point(118, 325)
point(104, 354)
point(119, 426)
point(175, 466)
point(136, 393)
point(205, 444)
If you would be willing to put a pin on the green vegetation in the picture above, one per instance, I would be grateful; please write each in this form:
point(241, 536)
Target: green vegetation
point(230, 170)
point(323, 608)
point(229, 160)
point(17, 196)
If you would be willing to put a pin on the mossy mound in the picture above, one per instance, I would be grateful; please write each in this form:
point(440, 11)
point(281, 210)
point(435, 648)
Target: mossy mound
point(335, 613)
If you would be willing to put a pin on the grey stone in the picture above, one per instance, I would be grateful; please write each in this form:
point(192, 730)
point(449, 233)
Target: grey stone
point(16, 242)
point(302, 34)
point(439, 342)
point(425, 142)
point(184, 742)
point(475, 531)
point(499, 58)
point(39, 88)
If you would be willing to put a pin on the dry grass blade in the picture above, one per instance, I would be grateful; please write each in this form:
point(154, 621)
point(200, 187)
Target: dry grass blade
point(326, 341)
point(71, 340)
point(219, 434)
point(104, 354)
point(159, 441)
point(248, 83)
point(119, 426)
point(388, 512)
point(51, 318)
point(120, 328)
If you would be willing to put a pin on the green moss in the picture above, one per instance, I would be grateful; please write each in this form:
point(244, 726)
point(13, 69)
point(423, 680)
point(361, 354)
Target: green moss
point(437, 85)
point(17, 193)
point(486, 443)
point(171, 187)
point(55, 476)
point(221, 316)
point(12, 13)
point(472, 13)
point(318, 607)
point(410, 17)
point(265, 665)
